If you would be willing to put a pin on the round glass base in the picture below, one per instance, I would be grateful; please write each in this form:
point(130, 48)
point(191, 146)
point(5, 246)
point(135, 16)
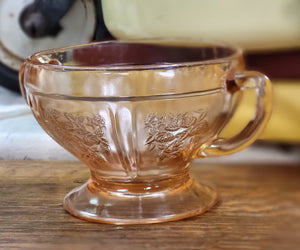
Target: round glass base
point(121, 207)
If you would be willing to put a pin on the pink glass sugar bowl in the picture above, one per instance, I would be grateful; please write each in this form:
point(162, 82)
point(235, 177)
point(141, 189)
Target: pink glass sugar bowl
point(137, 113)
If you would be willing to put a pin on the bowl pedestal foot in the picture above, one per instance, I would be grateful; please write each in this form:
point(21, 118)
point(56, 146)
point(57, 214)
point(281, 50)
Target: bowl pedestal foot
point(121, 206)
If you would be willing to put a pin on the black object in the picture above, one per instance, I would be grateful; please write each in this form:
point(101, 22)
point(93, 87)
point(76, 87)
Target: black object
point(9, 78)
point(42, 17)
point(101, 30)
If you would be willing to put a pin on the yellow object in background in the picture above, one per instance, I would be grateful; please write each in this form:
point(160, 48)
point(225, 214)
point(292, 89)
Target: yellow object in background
point(284, 125)
point(254, 25)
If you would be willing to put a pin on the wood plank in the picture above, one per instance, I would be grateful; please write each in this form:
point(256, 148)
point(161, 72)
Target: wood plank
point(259, 209)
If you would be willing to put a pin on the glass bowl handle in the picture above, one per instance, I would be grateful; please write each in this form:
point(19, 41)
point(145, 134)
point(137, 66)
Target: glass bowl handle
point(264, 103)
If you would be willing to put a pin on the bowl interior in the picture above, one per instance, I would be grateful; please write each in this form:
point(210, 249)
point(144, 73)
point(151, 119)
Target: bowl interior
point(118, 53)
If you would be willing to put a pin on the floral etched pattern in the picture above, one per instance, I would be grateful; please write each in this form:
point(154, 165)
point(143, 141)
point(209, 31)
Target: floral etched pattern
point(169, 135)
point(81, 134)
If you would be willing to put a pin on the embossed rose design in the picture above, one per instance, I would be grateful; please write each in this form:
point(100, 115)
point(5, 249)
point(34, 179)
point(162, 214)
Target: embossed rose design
point(84, 134)
point(169, 134)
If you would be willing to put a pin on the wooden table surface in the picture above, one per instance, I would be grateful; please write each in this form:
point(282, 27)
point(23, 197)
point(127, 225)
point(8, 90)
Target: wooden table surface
point(259, 209)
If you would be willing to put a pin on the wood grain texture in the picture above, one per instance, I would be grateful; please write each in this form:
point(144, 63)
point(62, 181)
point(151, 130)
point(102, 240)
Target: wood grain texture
point(259, 209)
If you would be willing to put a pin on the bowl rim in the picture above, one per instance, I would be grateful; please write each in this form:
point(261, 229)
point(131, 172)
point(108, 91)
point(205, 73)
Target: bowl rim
point(236, 53)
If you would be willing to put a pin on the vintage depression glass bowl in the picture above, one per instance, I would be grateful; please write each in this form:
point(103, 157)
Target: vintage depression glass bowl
point(137, 113)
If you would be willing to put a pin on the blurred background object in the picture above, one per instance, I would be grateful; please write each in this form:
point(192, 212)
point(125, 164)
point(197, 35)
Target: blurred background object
point(28, 26)
point(255, 25)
